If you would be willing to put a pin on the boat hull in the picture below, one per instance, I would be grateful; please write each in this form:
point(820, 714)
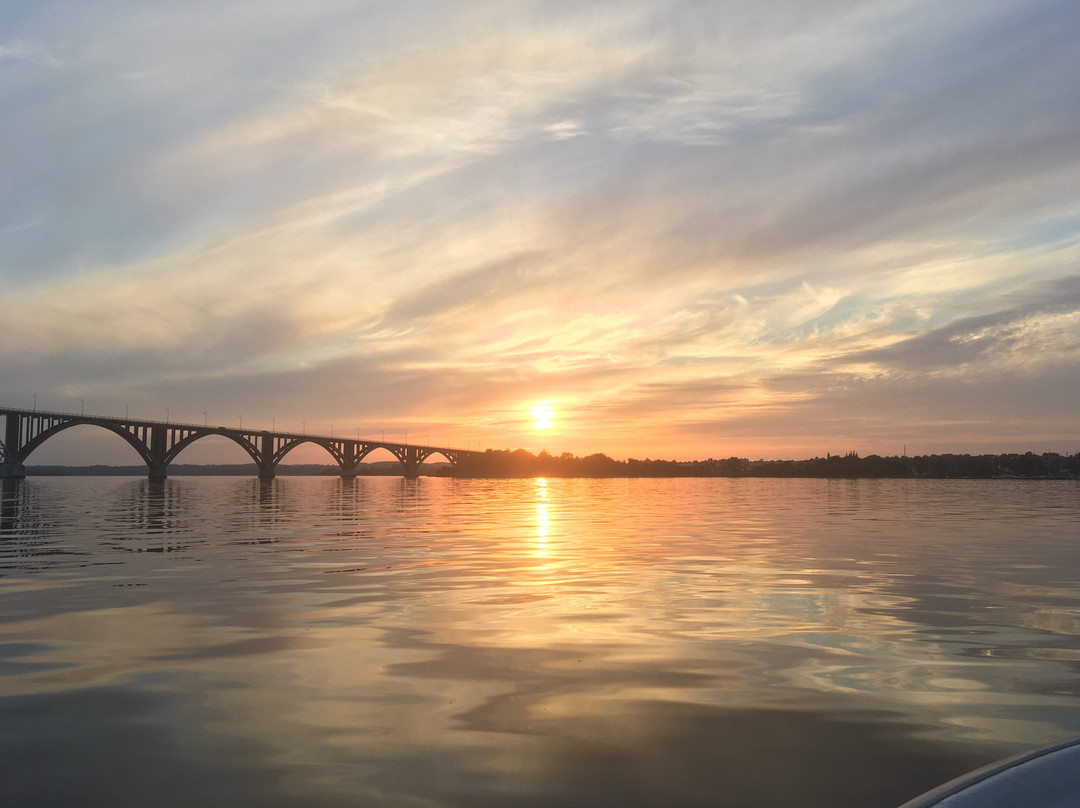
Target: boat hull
point(1045, 778)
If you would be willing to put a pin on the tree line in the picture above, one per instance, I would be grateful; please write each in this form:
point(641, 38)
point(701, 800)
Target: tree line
point(521, 463)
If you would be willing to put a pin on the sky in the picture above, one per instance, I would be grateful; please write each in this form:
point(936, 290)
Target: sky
point(648, 228)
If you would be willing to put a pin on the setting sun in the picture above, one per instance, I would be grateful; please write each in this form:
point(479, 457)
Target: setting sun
point(543, 415)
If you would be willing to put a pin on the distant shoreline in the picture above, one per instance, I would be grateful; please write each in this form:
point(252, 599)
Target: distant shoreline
point(522, 464)
point(1028, 465)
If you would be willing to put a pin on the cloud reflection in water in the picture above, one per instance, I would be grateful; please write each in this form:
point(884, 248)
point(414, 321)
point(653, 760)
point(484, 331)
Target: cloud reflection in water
point(526, 642)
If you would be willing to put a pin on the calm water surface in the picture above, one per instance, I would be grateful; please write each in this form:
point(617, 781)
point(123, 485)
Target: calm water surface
point(378, 642)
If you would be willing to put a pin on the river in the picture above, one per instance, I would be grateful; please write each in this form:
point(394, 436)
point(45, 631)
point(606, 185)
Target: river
point(527, 643)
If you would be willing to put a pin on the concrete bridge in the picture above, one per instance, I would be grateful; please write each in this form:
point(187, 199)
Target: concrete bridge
point(159, 442)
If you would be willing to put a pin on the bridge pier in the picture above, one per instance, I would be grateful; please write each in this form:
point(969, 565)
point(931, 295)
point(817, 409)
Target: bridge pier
point(411, 459)
point(350, 459)
point(157, 462)
point(267, 467)
point(10, 467)
point(12, 471)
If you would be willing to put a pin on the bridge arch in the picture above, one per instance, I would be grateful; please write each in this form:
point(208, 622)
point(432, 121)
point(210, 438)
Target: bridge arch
point(35, 442)
point(240, 439)
point(447, 454)
point(286, 446)
point(410, 457)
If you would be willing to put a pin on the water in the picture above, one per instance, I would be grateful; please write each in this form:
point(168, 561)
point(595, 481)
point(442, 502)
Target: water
point(521, 643)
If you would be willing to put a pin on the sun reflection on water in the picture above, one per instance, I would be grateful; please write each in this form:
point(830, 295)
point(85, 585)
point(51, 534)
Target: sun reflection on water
point(543, 519)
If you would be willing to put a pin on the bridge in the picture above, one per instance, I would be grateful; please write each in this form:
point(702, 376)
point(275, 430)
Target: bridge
point(159, 442)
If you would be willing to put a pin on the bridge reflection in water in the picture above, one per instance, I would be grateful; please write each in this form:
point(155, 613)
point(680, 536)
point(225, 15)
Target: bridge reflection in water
point(159, 442)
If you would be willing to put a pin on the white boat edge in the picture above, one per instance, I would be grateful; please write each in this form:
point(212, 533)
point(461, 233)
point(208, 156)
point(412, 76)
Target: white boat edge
point(1048, 777)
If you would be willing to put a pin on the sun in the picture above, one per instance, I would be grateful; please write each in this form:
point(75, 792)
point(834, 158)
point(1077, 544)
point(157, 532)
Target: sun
point(543, 415)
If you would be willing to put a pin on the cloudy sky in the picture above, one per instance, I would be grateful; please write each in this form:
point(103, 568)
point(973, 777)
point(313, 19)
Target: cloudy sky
point(692, 229)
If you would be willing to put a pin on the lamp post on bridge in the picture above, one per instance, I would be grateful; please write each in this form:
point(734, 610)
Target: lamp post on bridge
point(82, 406)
